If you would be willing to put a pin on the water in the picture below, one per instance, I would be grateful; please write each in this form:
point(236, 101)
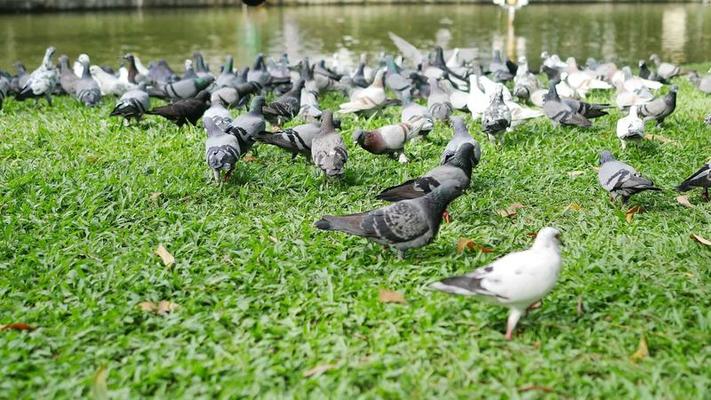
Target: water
point(621, 32)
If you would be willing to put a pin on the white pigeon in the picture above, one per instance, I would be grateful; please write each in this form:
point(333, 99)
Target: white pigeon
point(521, 114)
point(630, 127)
point(457, 98)
point(368, 98)
point(78, 66)
point(490, 87)
point(517, 280)
point(477, 101)
point(627, 98)
point(109, 84)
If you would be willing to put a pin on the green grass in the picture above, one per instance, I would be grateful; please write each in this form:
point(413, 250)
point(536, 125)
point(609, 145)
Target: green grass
point(265, 297)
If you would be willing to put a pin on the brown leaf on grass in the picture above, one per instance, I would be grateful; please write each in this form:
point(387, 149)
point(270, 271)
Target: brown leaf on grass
point(531, 388)
point(162, 308)
point(167, 258)
point(580, 307)
point(642, 350)
point(573, 207)
point(532, 234)
point(249, 158)
point(154, 196)
point(16, 326)
point(318, 370)
point(575, 174)
point(684, 201)
point(510, 211)
point(659, 138)
point(99, 390)
point(468, 244)
point(389, 296)
point(701, 239)
point(630, 213)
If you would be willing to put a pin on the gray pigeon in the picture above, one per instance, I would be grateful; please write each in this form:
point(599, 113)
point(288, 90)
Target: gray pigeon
point(286, 107)
point(42, 81)
point(659, 108)
point(461, 136)
point(388, 139)
point(67, 78)
point(707, 120)
point(4, 89)
point(525, 83)
point(416, 115)
point(328, 152)
point(500, 71)
point(222, 149)
point(700, 178)
point(227, 78)
point(161, 73)
point(183, 89)
point(620, 179)
point(132, 104)
point(296, 140)
point(587, 110)
point(703, 83)
point(561, 113)
point(497, 117)
point(456, 171)
point(665, 70)
point(404, 225)
point(438, 102)
point(400, 85)
point(86, 90)
point(247, 126)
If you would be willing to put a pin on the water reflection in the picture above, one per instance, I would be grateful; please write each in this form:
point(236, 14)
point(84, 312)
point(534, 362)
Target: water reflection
point(620, 32)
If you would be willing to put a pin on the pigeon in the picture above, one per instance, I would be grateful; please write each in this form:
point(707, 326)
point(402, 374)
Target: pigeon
point(516, 280)
point(286, 107)
point(358, 77)
point(296, 140)
point(630, 127)
point(626, 98)
point(646, 73)
point(416, 115)
point(78, 67)
point(109, 84)
point(457, 98)
point(665, 70)
point(217, 112)
point(525, 83)
point(184, 88)
point(328, 152)
point(86, 90)
point(388, 139)
point(222, 149)
point(460, 137)
point(633, 83)
point(403, 225)
point(133, 74)
point(259, 72)
point(201, 69)
point(490, 88)
point(42, 81)
point(497, 117)
point(366, 99)
point(309, 109)
point(247, 126)
point(561, 113)
point(227, 78)
point(133, 104)
point(499, 70)
point(707, 120)
point(477, 101)
point(700, 178)
point(185, 110)
point(189, 70)
point(456, 171)
point(20, 79)
point(587, 110)
point(620, 179)
point(703, 83)
point(161, 73)
point(438, 101)
point(237, 96)
point(4, 89)
point(67, 78)
point(659, 108)
point(400, 85)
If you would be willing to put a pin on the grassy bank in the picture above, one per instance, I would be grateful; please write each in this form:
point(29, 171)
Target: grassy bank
point(263, 298)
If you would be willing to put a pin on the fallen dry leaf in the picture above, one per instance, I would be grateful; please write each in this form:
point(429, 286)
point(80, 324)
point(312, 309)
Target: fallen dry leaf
point(629, 214)
point(580, 307)
point(16, 326)
point(536, 387)
point(532, 234)
point(388, 296)
point(318, 370)
point(684, 201)
point(574, 174)
point(155, 195)
point(701, 239)
point(99, 390)
point(163, 253)
point(573, 207)
point(642, 350)
point(659, 138)
point(510, 211)
point(468, 244)
point(162, 308)
point(249, 158)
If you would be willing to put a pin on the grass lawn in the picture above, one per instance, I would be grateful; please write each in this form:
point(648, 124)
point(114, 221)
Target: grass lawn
point(264, 297)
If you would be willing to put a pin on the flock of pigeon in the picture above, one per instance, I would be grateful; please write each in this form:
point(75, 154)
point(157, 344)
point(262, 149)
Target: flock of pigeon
point(502, 96)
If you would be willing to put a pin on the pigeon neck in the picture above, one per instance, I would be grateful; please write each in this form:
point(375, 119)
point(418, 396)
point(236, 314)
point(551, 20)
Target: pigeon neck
point(326, 123)
point(546, 244)
point(85, 74)
point(132, 71)
point(227, 68)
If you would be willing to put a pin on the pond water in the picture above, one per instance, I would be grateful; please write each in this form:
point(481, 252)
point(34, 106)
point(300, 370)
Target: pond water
point(619, 32)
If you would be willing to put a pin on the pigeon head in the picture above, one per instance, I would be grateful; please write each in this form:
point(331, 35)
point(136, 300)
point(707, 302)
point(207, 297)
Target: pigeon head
point(606, 156)
point(444, 194)
point(642, 64)
point(256, 105)
point(203, 82)
point(221, 157)
point(655, 58)
point(95, 70)
point(548, 237)
point(458, 125)
point(552, 94)
point(674, 89)
point(64, 62)
point(378, 80)
point(359, 136)
point(464, 158)
point(327, 125)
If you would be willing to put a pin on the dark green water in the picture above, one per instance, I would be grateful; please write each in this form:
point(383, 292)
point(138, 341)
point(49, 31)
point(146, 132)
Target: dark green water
point(624, 32)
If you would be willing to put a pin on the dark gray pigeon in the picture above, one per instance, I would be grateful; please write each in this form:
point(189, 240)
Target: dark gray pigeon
point(659, 108)
point(620, 179)
point(358, 77)
point(404, 225)
point(286, 107)
point(296, 140)
point(587, 110)
point(438, 102)
point(456, 171)
point(561, 113)
point(460, 137)
point(184, 111)
point(247, 126)
point(500, 71)
point(86, 90)
point(328, 151)
point(160, 72)
point(700, 179)
point(20, 79)
point(67, 78)
point(132, 104)
point(497, 117)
